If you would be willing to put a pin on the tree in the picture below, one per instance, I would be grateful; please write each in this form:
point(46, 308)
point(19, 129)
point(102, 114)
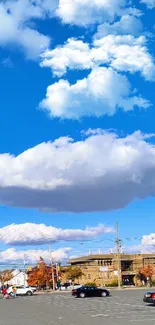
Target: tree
point(73, 273)
point(5, 276)
point(41, 275)
point(147, 272)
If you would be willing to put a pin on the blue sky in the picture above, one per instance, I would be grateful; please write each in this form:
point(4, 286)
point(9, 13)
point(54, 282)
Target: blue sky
point(77, 88)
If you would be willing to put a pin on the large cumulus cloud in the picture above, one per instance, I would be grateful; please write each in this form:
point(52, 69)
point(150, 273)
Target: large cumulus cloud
point(36, 234)
point(101, 172)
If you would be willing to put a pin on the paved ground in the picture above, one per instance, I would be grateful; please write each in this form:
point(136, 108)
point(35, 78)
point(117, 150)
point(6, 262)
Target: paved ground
point(122, 308)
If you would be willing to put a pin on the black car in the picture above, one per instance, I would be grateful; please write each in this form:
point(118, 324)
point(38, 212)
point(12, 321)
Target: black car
point(87, 291)
point(149, 297)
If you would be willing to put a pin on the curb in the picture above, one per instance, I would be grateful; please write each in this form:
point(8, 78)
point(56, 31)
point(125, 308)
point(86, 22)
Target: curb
point(111, 289)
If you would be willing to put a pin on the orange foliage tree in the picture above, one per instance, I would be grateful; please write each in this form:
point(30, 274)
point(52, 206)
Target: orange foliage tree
point(5, 276)
point(41, 275)
point(147, 272)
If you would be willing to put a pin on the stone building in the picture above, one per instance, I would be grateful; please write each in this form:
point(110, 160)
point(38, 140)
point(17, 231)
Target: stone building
point(103, 269)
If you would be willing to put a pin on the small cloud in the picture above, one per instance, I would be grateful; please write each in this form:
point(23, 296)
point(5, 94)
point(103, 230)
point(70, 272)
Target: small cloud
point(150, 3)
point(7, 63)
point(93, 131)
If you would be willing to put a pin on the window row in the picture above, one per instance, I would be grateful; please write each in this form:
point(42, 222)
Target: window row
point(105, 262)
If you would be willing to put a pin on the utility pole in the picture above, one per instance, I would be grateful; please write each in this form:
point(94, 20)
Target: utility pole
point(57, 272)
point(24, 269)
point(118, 257)
point(51, 263)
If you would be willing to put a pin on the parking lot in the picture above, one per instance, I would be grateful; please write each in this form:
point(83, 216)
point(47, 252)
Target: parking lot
point(123, 308)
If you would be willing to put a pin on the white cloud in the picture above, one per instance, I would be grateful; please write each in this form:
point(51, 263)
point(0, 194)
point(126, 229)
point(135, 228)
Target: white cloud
point(75, 54)
point(146, 245)
point(33, 234)
point(127, 25)
point(12, 255)
point(100, 173)
point(86, 12)
point(122, 52)
point(149, 240)
point(126, 53)
point(90, 131)
point(149, 3)
point(33, 42)
point(15, 18)
point(91, 96)
point(140, 248)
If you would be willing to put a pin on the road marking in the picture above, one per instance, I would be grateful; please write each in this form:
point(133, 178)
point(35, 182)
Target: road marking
point(141, 320)
point(100, 315)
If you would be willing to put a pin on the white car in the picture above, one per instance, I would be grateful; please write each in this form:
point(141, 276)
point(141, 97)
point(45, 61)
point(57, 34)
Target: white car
point(21, 291)
point(70, 286)
point(76, 286)
point(32, 288)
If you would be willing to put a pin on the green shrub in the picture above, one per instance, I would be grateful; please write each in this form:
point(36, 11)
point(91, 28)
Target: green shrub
point(90, 284)
point(114, 283)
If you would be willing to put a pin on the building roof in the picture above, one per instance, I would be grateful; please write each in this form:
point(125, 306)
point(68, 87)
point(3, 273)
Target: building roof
point(108, 257)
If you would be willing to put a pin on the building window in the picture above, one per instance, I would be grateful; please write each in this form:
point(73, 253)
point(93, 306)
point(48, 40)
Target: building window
point(107, 262)
point(127, 265)
point(149, 260)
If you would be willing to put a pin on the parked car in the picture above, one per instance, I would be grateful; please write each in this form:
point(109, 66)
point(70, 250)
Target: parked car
point(149, 297)
point(21, 291)
point(87, 291)
point(68, 286)
point(31, 288)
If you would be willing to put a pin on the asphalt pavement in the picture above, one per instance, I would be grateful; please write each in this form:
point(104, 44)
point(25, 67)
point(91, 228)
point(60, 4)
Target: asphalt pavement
point(122, 308)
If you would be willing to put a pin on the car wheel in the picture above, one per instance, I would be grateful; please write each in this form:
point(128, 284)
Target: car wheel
point(82, 295)
point(29, 293)
point(103, 294)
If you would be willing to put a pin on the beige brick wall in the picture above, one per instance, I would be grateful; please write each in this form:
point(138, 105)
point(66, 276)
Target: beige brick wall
point(91, 267)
